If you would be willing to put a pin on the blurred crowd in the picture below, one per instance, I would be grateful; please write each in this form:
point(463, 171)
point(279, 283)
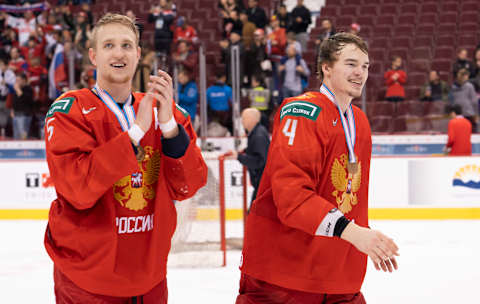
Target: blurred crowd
point(44, 52)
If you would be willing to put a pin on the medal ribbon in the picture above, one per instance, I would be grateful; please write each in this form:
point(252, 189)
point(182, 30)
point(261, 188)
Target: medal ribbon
point(125, 116)
point(348, 123)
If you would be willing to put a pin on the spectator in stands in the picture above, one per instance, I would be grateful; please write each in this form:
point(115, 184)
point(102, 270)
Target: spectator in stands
point(85, 7)
point(355, 29)
point(140, 26)
point(144, 68)
point(259, 97)
point(301, 19)
point(81, 25)
point(276, 46)
point(162, 16)
point(434, 89)
point(463, 94)
point(22, 103)
point(277, 39)
point(395, 78)
point(17, 63)
point(462, 62)
point(83, 33)
point(184, 56)
point(184, 32)
point(7, 80)
point(187, 93)
point(226, 6)
point(248, 30)
point(254, 157)
point(283, 16)
point(257, 59)
point(23, 25)
point(68, 20)
point(32, 49)
point(459, 132)
point(219, 98)
point(291, 40)
point(256, 14)
point(293, 69)
point(8, 38)
point(327, 31)
point(235, 40)
point(232, 24)
point(475, 78)
point(37, 76)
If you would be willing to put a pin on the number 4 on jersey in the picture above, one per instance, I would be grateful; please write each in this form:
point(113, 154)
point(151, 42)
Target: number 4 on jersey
point(289, 130)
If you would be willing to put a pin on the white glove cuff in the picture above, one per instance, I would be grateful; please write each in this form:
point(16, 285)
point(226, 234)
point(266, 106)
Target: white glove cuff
point(136, 134)
point(169, 125)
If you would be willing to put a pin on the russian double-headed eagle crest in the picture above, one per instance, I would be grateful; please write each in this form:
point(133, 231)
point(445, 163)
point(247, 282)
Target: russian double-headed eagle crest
point(135, 191)
point(346, 184)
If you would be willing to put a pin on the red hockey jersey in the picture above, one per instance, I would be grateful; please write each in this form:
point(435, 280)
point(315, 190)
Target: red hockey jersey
point(304, 178)
point(110, 228)
point(459, 136)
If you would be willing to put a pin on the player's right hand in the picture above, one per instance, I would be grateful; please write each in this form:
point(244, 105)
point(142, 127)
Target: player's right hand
point(145, 110)
point(380, 248)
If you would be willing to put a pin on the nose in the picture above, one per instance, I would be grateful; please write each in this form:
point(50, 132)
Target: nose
point(118, 52)
point(360, 71)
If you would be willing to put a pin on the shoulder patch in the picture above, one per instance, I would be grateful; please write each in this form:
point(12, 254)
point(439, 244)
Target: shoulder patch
point(60, 105)
point(184, 112)
point(301, 108)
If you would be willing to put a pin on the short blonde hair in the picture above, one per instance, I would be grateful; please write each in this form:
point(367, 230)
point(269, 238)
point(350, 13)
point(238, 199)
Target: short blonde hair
point(110, 18)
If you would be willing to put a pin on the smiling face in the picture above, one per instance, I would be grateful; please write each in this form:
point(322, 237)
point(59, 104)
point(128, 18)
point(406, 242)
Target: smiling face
point(115, 53)
point(348, 74)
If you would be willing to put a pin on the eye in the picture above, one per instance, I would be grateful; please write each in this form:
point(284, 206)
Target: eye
point(108, 45)
point(126, 45)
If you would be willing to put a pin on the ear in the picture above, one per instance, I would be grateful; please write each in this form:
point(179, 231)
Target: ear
point(326, 69)
point(139, 53)
point(92, 55)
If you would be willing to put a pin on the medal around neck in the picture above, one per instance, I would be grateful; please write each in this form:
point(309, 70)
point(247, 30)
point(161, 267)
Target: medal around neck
point(352, 167)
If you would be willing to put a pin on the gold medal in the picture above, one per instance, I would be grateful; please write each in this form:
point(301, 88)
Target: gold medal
point(352, 167)
point(140, 153)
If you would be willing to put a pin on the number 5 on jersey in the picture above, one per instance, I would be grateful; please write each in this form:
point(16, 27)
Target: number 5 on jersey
point(289, 130)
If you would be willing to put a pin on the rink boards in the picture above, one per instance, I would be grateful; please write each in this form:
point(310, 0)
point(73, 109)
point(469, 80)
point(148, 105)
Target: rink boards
point(401, 187)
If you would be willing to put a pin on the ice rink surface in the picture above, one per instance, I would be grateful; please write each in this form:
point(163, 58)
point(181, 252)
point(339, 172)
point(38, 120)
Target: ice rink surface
point(439, 263)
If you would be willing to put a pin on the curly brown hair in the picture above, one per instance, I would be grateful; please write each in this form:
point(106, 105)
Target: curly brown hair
point(331, 47)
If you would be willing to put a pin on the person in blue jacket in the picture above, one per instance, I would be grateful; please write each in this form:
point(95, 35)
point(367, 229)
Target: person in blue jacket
point(187, 93)
point(219, 98)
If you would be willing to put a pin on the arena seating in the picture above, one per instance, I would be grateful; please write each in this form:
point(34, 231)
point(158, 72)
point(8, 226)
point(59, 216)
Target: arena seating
point(426, 34)
point(203, 15)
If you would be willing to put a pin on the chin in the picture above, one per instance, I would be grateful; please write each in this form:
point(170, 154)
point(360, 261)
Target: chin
point(119, 78)
point(355, 94)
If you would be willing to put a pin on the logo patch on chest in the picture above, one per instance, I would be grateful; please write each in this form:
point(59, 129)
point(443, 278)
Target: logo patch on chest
point(301, 109)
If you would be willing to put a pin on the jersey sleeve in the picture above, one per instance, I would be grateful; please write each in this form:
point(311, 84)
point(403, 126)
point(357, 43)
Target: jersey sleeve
point(82, 168)
point(187, 173)
point(297, 159)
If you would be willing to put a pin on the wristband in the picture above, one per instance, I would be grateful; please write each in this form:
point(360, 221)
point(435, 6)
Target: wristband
point(327, 226)
point(168, 126)
point(136, 134)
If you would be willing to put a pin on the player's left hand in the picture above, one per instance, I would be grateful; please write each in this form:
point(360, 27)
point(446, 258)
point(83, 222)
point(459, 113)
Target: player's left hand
point(389, 264)
point(162, 86)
